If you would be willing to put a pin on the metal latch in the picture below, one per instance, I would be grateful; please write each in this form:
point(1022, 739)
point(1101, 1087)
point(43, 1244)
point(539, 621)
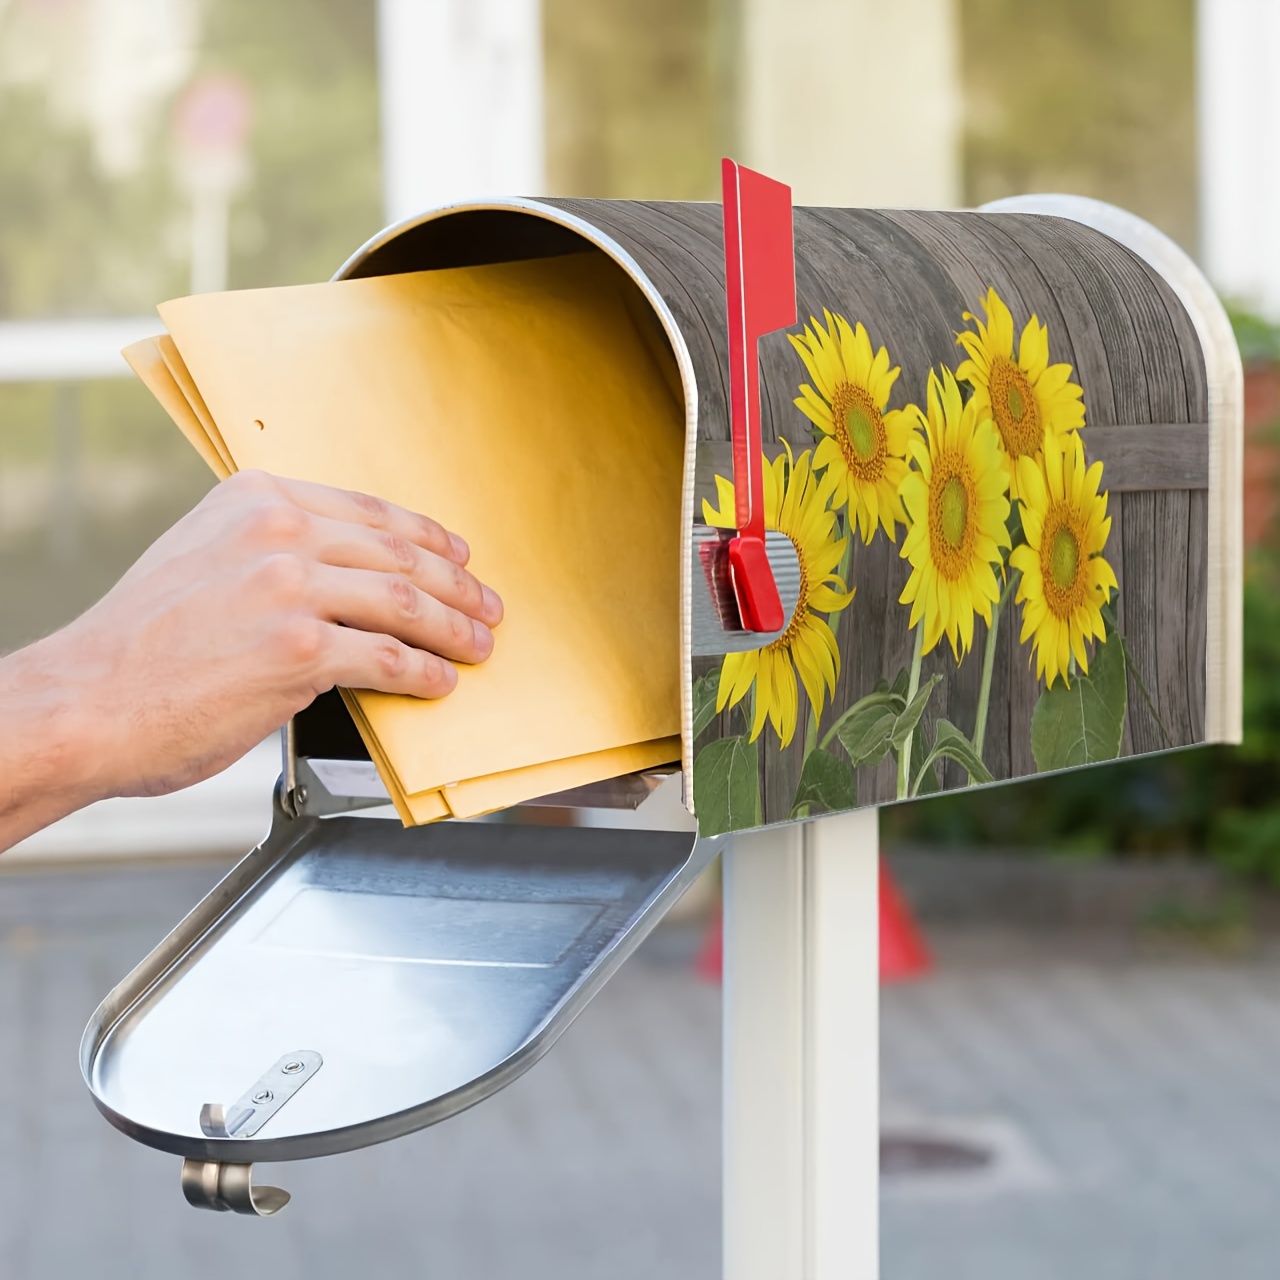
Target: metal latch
point(210, 1184)
point(225, 1187)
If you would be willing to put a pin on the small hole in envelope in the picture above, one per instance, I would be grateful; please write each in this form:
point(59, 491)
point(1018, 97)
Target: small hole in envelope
point(258, 422)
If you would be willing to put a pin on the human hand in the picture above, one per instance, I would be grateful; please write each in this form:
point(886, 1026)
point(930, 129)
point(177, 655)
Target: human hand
point(268, 593)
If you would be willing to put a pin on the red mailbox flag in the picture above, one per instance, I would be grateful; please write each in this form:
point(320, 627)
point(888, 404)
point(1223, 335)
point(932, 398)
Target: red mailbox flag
point(760, 281)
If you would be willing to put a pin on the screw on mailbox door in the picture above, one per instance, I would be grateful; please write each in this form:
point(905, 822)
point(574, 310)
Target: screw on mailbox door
point(259, 1103)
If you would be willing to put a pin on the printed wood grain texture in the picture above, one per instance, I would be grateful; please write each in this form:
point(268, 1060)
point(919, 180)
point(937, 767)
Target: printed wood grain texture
point(909, 277)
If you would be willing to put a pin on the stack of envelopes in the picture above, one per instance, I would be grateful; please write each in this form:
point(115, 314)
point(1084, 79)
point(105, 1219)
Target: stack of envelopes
point(524, 406)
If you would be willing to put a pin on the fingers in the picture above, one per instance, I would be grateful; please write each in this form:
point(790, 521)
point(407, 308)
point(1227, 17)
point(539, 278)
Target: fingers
point(356, 547)
point(389, 604)
point(362, 660)
point(362, 509)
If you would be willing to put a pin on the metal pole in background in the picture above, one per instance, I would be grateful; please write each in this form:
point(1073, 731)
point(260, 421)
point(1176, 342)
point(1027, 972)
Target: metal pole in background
point(801, 1052)
point(461, 92)
point(211, 126)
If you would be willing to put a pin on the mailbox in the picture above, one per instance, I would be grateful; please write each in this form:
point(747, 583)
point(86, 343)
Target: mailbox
point(962, 514)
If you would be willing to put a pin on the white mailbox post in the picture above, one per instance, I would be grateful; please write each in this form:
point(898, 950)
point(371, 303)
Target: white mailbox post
point(802, 1052)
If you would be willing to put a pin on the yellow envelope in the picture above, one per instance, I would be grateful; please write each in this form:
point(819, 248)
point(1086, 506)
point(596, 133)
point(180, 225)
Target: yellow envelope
point(521, 406)
point(146, 359)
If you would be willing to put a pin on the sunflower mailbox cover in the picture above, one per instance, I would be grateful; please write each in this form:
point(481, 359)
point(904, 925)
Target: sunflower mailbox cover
point(1004, 446)
point(999, 454)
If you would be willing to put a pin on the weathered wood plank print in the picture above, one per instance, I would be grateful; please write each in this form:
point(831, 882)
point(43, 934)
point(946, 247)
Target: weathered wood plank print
point(988, 440)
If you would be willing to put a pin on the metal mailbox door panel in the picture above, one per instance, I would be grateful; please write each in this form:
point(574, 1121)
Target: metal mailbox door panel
point(352, 980)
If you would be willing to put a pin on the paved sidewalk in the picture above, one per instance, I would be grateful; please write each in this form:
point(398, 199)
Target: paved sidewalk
point(1137, 1101)
point(1133, 1106)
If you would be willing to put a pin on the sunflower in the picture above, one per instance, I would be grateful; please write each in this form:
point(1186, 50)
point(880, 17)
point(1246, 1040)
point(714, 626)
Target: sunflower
point(1065, 580)
point(1028, 398)
point(862, 445)
point(795, 503)
point(958, 514)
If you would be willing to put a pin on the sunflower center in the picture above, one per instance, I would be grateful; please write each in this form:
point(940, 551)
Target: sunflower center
point(955, 511)
point(1013, 405)
point(1065, 583)
point(862, 436)
point(951, 532)
point(1016, 406)
point(1064, 559)
point(859, 432)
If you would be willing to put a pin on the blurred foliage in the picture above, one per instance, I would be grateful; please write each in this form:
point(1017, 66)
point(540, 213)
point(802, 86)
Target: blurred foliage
point(118, 417)
point(1258, 338)
point(1093, 97)
point(315, 195)
point(75, 241)
point(1216, 801)
point(639, 97)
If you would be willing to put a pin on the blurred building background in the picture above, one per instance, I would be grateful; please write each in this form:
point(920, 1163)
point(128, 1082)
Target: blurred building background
point(1093, 1044)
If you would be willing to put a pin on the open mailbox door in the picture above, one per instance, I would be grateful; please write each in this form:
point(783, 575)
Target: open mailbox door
point(992, 470)
point(353, 980)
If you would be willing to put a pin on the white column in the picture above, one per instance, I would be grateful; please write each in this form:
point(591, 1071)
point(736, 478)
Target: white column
point(1238, 103)
point(461, 94)
point(854, 103)
point(801, 1052)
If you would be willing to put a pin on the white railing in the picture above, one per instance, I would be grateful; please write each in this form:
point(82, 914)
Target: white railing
point(69, 350)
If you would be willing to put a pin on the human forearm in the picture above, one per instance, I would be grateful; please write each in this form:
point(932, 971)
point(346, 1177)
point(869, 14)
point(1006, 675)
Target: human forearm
point(47, 765)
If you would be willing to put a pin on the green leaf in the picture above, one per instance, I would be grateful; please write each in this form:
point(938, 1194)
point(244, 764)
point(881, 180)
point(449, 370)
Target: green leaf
point(922, 768)
point(880, 722)
point(865, 729)
point(910, 716)
point(704, 700)
point(950, 744)
point(899, 686)
point(1082, 724)
point(1113, 632)
point(866, 736)
point(826, 786)
point(726, 786)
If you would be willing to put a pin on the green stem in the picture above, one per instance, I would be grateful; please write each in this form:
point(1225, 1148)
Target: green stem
point(988, 665)
point(913, 687)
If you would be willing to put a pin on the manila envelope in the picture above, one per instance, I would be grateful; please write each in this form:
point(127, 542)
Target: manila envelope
point(519, 405)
